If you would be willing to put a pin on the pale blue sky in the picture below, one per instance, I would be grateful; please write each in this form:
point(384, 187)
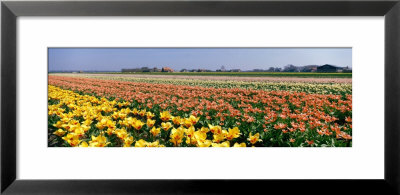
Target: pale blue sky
point(114, 59)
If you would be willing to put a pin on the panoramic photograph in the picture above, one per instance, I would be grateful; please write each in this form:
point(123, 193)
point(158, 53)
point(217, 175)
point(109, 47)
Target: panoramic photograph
point(199, 97)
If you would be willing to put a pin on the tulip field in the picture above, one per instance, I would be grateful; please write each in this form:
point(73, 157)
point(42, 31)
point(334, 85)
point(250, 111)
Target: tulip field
point(121, 111)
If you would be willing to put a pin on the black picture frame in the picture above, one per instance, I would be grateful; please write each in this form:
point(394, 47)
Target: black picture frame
point(11, 10)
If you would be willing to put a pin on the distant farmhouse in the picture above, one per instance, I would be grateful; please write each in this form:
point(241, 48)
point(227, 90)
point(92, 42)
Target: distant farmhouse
point(327, 68)
point(332, 68)
point(167, 69)
point(235, 70)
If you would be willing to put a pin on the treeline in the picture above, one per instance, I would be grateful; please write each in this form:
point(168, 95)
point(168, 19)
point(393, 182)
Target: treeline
point(307, 68)
point(146, 69)
point(288, 68)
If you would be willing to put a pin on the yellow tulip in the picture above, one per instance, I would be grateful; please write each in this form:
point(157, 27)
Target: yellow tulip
point(58, 124)
point(215, 129)
point(239, 145)
point(194, 119)
point(204, 129)
point(99, 141)
point(72, 139)
point(142, 113)
point(233, 133)
point(150, 123)
point(165, 116)
point(149, 115)
point(190, 131)
point(141, 143)
point(79, 131)
point(84, 144)
point(205, 143)
point(85, 128)
point(138, 124)
point(128, 141)
point(254, 138)
point(219, 137)
point(155, 131)
point(176, 136)
point(177, 120)
point(166, 126)
point(135, 111)
point(200, 136)
point(224, 144)
point(59, 132)
point(121, 133)
point(187, 122)
point(153, 144)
